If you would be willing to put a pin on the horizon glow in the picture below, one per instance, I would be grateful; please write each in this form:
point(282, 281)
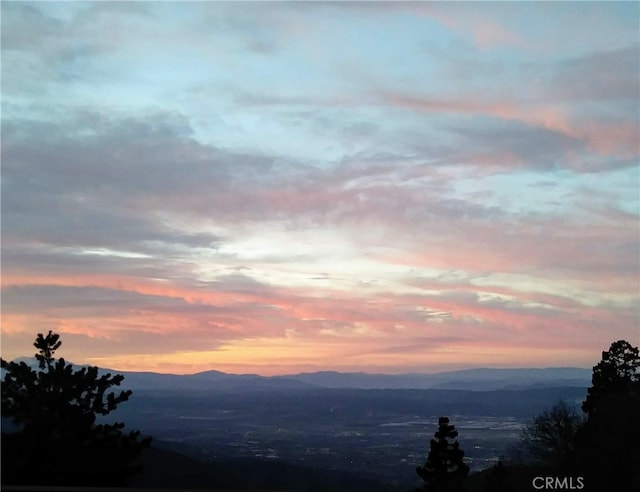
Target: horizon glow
point(277, 187)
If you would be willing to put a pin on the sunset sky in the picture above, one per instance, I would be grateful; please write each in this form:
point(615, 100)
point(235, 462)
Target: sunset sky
point(285, 187)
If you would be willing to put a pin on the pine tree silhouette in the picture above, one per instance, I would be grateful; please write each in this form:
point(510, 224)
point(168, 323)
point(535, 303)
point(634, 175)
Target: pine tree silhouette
point(608, 444)
point(55, 409)
point(618, 373)
point(444, 469)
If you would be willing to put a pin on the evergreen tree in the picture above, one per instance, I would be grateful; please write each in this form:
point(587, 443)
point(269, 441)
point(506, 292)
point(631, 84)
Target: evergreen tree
point(55, 408)
point(444, 469)
point(616, 374)
point(608, 444)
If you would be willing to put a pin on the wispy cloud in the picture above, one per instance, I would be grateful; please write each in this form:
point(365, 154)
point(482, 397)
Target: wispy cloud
point(388, 186)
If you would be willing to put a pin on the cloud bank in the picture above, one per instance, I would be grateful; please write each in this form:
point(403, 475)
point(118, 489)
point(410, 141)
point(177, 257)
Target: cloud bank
point(380, 187)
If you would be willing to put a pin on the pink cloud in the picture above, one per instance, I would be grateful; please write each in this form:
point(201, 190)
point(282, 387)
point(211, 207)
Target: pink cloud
point(347, 327)
point(618, 139)
point(486, 33)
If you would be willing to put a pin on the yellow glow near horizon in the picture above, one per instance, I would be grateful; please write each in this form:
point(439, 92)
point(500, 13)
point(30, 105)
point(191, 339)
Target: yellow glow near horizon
point(269, 357)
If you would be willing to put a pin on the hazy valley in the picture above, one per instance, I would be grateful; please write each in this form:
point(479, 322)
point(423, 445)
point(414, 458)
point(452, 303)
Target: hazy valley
point(370, 426)
point(354, 426)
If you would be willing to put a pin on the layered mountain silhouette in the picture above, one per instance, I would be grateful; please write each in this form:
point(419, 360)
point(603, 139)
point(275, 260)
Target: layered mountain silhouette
point(481, 379)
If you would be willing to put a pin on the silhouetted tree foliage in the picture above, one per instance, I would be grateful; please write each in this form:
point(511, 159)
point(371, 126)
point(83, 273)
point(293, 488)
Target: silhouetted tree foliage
point(616, 374)
point(608, 444)
point(58, 441)
point(444, 469)
point(550, 437)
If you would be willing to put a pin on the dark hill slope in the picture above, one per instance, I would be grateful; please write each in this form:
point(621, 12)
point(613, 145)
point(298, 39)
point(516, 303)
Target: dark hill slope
point(167, 469)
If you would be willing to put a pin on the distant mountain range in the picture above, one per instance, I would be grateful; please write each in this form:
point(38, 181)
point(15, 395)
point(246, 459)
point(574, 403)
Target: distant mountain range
point(482, 379)
point(472, 379)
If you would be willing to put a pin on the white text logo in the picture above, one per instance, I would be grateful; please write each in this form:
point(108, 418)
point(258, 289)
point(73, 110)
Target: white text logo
point(558, 483)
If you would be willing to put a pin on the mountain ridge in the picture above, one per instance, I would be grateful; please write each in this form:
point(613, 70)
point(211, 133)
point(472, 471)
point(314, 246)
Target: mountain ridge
point(473, 379)
point(477, 379)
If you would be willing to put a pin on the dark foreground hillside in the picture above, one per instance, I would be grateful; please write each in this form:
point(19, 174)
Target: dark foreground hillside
point(166, 469)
